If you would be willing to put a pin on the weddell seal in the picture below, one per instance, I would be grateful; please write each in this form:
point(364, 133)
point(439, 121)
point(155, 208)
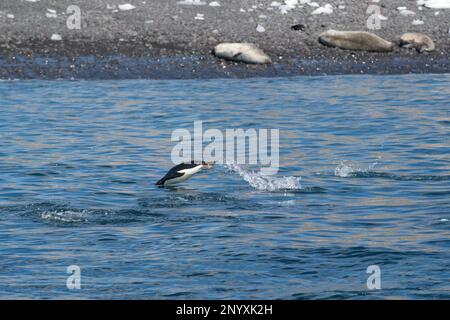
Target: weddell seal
point(355, 40)
point(241, 52)
point(418, 41)
point(182, 172)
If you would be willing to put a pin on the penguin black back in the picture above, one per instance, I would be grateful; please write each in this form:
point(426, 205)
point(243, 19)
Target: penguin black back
point(174, 172)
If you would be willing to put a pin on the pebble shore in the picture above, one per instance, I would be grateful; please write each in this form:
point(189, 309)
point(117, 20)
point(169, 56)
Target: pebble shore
point(170, 39)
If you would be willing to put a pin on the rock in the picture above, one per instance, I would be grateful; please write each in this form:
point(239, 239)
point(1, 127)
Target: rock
point(241, 52)
point(355, 40)
point(298, 27)
point(418, 41)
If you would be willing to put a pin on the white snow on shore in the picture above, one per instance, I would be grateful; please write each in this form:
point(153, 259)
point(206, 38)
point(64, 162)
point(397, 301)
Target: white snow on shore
point(199, 16)
point(260, 28)
point(51, 13)
point(435, 4)
point(405, 12)
point(287, 6)
point(126, 7)
point(312, 4)
point(192, 2)
point(326, 9)
point(417, 22)
point(214, 4)
point(56, 37)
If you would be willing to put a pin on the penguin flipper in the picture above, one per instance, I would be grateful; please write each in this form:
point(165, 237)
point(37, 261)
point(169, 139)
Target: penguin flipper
point(168, 176)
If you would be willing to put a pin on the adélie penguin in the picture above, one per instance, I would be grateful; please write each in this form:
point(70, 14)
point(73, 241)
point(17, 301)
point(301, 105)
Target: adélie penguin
point(182, 172)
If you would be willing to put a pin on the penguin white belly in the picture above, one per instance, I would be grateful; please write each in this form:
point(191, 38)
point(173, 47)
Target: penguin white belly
point(177, 180)
point(187, 174)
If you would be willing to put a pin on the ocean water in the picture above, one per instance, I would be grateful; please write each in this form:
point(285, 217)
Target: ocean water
point(364, 180)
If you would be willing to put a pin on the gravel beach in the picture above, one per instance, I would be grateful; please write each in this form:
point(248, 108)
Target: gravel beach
point(168, 39)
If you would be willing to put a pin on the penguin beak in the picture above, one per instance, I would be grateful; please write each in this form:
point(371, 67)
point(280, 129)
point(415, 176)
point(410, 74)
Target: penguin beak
point(207, 165)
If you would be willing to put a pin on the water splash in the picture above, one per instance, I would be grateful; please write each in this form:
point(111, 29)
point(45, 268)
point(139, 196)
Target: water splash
point(265, 182)
point(68, 216)
point(346, 169)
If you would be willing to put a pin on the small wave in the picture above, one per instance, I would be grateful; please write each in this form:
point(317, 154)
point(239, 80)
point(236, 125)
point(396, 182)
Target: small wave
point(345, 169)
point(185, 198)
point(60, 165)
point(265, 182)
point(42, 173)
point(67, 216)
point(392, 176)
point(64, 214)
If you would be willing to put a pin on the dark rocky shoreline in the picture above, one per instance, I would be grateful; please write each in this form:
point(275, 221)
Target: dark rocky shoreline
point(163, 40)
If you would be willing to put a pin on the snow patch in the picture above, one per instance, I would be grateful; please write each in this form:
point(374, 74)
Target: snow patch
point(288, 5)
point(51, 13)
point(417, 22)
point(313, 4)
point(192, 2)
point(405, 12)
point(56, 37)
point(260, 28)
point(434, 4)
point(126, 7)
point(199, 16)
point(326, 9)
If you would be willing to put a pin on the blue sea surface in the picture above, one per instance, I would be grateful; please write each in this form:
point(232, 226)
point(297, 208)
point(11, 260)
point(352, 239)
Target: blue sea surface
point(364, 180)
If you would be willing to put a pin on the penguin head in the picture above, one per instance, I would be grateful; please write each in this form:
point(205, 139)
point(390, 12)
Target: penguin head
point(207, 165)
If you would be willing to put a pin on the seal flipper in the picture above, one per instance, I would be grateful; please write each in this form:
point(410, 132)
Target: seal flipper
point(237, 56)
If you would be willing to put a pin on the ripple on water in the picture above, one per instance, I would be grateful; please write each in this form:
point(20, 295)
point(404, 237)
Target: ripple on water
point(66, 215)
point(96, 146)
point(345, 170)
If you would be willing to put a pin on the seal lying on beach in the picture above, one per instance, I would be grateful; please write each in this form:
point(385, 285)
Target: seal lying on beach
point(418, 41)
point(241, 52)
point(355, 40)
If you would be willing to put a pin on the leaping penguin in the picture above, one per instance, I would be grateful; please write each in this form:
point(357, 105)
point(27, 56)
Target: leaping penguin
point(182, 172)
